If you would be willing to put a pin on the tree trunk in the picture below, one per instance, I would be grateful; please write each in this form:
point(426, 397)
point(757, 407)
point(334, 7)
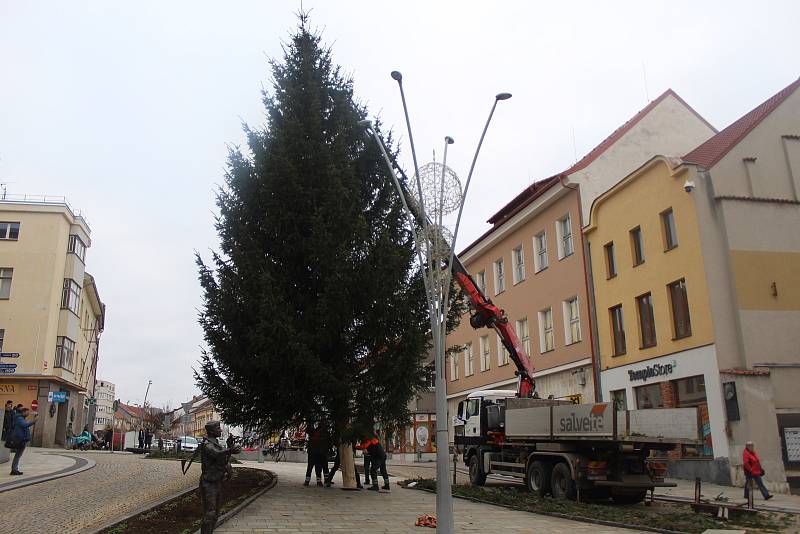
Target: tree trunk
point(347, 466)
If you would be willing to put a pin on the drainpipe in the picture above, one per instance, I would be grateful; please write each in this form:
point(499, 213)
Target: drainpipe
point(589, 286)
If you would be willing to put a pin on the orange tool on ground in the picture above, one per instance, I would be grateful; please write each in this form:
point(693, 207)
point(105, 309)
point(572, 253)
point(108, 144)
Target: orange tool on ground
point(426, 521)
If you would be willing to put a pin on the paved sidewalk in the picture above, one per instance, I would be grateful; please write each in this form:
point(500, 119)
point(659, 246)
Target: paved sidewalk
point(290, 507)
point(39, 465)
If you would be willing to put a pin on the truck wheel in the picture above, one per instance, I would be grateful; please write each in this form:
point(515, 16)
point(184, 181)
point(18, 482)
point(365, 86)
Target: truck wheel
point(476, 475)
point(561, 483)
point(538, 479)
point(628, 497)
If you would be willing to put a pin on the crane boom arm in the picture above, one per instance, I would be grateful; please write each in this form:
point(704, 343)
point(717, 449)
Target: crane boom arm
point(483, 313)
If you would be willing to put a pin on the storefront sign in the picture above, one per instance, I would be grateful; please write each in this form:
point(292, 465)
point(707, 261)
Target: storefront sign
point(9, 354)
point(652, 371)
point(8, 368)
point(57, 396)
point(8, 388)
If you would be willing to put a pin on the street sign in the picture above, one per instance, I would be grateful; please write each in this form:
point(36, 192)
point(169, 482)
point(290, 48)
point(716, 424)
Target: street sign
point(186, 419)
point(186, 406)
point(57, 396)
point(34, 405)
point(9, 354)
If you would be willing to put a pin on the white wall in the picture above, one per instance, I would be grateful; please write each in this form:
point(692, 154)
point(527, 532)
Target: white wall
point(698, 361)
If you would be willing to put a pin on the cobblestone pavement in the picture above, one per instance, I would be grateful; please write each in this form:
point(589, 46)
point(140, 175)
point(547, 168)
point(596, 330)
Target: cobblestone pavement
point(118, 484)
point(290, 507)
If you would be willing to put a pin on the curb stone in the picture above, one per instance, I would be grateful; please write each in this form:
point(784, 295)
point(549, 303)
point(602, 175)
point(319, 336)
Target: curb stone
point(140, 510)
point(247, 502)
point(80, 465)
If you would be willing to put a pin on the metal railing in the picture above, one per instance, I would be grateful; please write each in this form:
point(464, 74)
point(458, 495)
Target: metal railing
point(14, 198)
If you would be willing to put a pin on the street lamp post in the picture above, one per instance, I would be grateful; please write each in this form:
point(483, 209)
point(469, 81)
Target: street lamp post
point(438, 193)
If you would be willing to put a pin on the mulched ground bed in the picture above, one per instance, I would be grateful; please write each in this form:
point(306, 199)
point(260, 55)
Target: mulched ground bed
point(182, 515)
point(660, 515)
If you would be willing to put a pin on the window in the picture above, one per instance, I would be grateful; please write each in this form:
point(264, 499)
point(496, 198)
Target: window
point(469, 362)
point(649, 397)
point(637, 248)
point(499, 277)
point(690, 391)
point(5, 282)
point(65, 353)
point(485, 353)
point(540, 251)
point(670, 233)
point(617, 329)
point(70, 296)
point(647, 325)
point(77, 247)
point(681, 323)
point(620, 399)
point(2, 336)
point(523, 333)
point(503, 357)
point(518, 256)
point(564, 234)
point(481, 281)
point(9, 231)
point(611, 263)
point(572, 321)
point(546, 341)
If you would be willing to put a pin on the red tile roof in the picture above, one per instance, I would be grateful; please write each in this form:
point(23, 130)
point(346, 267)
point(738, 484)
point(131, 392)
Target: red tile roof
point(710, 152)
point(532, 192)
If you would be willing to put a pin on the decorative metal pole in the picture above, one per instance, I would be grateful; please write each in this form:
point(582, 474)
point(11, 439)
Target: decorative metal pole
point(438, 193)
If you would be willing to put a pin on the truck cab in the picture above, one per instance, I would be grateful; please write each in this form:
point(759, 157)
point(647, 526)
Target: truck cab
point(474, 414)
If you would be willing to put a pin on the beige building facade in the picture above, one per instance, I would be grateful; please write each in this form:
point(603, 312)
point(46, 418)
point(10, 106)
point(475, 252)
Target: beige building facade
point(51, 315)
point(746, 187)
point(695, 269)
point(531, 263)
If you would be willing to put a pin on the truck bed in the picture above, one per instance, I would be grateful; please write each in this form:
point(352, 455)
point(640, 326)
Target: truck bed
point(528, 419)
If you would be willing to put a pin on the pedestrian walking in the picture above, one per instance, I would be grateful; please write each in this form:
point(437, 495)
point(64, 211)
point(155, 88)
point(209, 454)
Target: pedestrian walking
point(8, 419)
point(109, 438)
point(230, 441)
point(753, 471)
point(19, 436)
point(161, 444)
point(148, 439)
point(364, 447)
point(70, 436)
point(141, 438)
point(378, 459)
point(318, 445)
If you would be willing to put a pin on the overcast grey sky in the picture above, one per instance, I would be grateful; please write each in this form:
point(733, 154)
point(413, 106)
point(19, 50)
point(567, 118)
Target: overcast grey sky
point(126, 109)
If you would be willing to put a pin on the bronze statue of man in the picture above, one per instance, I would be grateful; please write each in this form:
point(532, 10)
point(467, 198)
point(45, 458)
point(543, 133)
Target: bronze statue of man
point(216, 465)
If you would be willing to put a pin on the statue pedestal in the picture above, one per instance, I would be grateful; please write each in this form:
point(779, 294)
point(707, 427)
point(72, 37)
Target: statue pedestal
point(347, 467)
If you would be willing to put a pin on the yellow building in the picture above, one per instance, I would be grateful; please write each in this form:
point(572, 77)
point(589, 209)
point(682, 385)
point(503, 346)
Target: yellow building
point(695, 266)
point(654, 327)
point(51, 315)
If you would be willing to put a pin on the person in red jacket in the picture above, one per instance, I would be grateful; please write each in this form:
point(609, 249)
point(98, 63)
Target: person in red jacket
point(753, 470)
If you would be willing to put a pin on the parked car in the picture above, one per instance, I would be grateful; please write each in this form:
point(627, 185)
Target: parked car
point(188, 443)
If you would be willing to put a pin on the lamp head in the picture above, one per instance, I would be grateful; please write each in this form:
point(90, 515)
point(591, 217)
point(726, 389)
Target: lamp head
point(449, 140)
point(503, 96)
point(397, 76)
point(366, 123)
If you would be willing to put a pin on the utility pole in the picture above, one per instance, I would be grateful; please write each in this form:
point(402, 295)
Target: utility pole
point(144, 403)
point(438, 193)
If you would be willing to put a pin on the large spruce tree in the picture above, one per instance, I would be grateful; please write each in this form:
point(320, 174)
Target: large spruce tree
point(312, 309)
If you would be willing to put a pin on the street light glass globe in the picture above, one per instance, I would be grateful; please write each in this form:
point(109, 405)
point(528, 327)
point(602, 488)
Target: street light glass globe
point(441, 189)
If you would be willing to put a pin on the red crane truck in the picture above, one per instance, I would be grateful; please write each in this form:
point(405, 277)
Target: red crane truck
point(557, 447)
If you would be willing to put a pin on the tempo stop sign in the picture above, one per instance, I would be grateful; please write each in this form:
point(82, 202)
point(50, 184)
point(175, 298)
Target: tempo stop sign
point(34, 405)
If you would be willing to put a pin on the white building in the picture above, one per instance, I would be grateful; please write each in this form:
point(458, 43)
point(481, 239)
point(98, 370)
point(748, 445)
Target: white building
point(104, 406)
